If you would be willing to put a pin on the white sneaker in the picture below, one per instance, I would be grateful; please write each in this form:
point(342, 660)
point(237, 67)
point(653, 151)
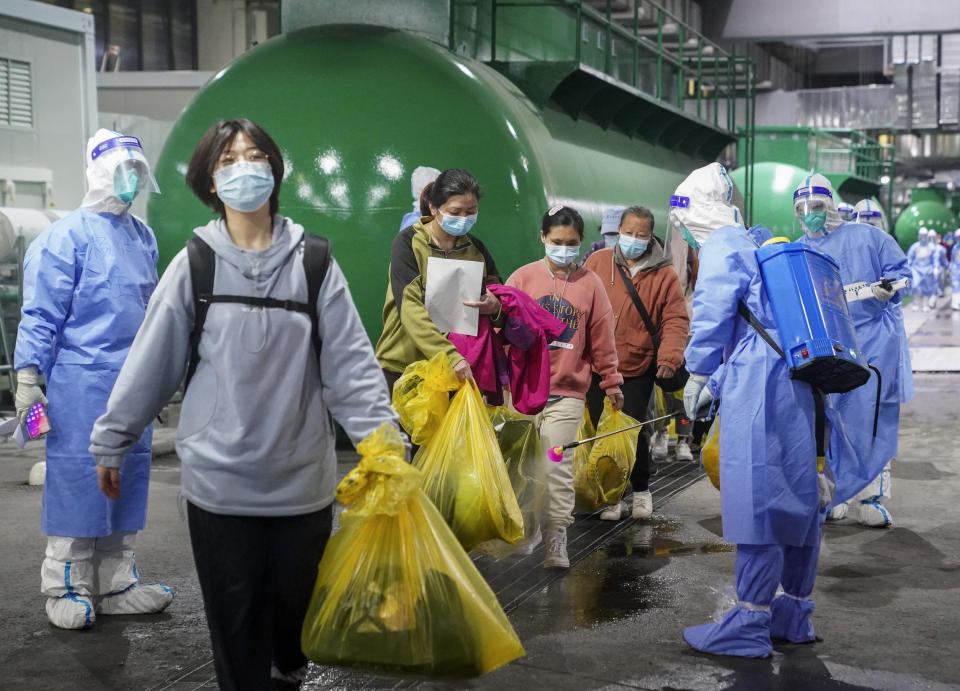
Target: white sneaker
point(70, 612)
point(658, 446)
point(612, 513)
point(556, 550)
point(683, 450)
point(874, 515)
point(527, 547)
point(137, 599)
point(838, 512)
point(642, 505)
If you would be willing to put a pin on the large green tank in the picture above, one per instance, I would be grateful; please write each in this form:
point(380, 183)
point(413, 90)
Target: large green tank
point(927, 210)
point(356, 108)
point(773, 186)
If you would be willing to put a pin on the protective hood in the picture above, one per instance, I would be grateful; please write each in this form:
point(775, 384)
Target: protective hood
point(702, 203)
point(116, 165)
point(611, 219)
point(846, 211)
point(867, 212)
point(815, 206)
point(420, 178)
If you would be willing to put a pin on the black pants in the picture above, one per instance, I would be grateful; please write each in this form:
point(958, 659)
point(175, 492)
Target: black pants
point(256, 575)
point(636, 396)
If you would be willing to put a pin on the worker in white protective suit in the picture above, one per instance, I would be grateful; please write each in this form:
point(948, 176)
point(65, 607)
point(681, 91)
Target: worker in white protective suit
point(87, 280)
point(703, 202)
point(419, 179)
point(846, 211)
point(922, 258)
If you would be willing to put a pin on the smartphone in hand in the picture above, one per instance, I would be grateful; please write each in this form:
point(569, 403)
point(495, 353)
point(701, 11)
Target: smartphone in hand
point(37, 422)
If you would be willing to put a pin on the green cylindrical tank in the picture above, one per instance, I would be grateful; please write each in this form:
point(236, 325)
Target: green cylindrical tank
point(927, 210)
point(773, 186)
point(356, 108)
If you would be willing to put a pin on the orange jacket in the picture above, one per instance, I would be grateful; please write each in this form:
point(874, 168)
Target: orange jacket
point(659, 289)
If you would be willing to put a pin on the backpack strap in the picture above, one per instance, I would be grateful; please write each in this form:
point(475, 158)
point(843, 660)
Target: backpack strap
point(752, 320)
point(202, 266)
point(316, 262)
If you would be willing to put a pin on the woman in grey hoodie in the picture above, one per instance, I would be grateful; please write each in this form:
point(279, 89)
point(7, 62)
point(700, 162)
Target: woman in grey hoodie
point(255, 438)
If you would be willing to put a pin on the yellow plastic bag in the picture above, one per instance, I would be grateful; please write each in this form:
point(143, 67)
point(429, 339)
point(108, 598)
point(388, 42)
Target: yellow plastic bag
point(394, 589)
point(581, 454)
point(465, 477)
point(421, 396)
point(602, 479)
point(526, 467)
point(710, 454)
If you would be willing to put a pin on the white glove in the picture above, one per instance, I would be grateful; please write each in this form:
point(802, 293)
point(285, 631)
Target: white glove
point(825, 489)
point(881, 293)
point(28, 392)
point(695, 395)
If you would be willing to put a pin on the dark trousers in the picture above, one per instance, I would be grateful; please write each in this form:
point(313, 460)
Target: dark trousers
point(636, 396)
point(256, 575)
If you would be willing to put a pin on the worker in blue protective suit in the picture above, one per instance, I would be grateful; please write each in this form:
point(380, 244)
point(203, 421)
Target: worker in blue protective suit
point(419, 179)
point(942, 262)
point(865, 253)
point(922, 258)
point(846, 211)
point(86, 283)
point(773, 497)
point(955, 272)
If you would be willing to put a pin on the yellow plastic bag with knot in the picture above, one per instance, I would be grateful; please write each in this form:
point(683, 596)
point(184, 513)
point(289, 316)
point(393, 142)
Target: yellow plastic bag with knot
point(710, 454)
point(526, 467)
point(465, 476)
point(394, 589)
point(421, 396)
point(602, 478)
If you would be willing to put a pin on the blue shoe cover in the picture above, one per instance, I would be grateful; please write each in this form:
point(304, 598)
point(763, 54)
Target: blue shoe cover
point(741, 632)
point(790, 620)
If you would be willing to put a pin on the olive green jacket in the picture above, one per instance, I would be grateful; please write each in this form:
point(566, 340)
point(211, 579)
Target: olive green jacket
point(408, 332)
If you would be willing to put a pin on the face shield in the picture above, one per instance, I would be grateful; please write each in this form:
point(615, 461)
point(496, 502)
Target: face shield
point(814, 209)
point(867, 212)
point(703, 203)
point(846, 211)
point(117, 170)
point(923, 236)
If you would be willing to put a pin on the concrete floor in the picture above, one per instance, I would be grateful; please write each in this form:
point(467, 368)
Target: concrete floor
point(888, 601)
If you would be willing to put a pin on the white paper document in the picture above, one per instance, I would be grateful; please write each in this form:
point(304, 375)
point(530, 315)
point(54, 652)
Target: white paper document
point(449, 283)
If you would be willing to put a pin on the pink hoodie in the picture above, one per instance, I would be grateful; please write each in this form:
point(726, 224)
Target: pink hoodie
point(588, 344)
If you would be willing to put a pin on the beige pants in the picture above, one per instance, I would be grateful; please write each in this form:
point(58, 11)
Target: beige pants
point(558, 424)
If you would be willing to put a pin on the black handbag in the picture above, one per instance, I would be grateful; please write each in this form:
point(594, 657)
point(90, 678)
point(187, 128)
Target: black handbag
point(679, 378)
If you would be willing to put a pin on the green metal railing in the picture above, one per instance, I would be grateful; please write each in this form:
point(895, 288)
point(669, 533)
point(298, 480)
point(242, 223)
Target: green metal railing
point(661, 57)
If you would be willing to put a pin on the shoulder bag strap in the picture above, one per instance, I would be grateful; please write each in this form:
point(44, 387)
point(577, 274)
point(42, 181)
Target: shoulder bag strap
point(644, 315)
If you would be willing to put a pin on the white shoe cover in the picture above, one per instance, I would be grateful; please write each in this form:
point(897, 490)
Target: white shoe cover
point(874, 515)
point(642, 505)
point(137, 599)
point(612, 513)
point(838, 512)
point(71, 612)
point(531, 544)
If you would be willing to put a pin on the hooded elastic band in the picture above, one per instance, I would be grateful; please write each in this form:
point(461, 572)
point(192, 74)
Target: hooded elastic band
point(810, 191)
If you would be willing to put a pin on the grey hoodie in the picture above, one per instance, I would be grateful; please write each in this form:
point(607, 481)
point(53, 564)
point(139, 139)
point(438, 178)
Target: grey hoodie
point(254, 436)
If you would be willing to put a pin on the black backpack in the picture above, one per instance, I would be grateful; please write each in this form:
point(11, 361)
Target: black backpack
point(316, 261)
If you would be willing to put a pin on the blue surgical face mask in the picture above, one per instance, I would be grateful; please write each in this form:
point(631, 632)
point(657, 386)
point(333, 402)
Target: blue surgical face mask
point(610, 240)
point(244, 186)
point(815, 221)
point(456, 225)
point(560, 254)
point(632, 247)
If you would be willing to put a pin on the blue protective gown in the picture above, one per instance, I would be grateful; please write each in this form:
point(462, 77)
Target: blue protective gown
point(922, 258)
point(768, 456)
point(87, 280)
point(955, 268)
point(866, 253)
